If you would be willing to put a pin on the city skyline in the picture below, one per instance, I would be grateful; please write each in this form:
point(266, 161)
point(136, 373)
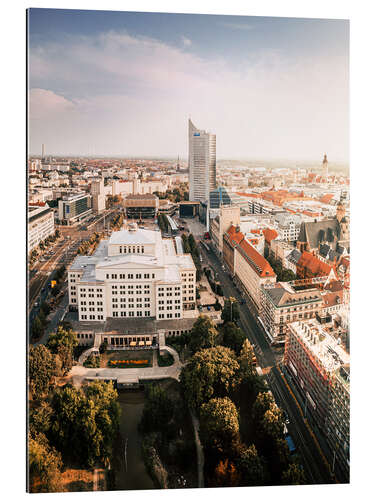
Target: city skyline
point(271, 88)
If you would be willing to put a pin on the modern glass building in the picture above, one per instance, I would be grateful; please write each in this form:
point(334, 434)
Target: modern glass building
point(202, 163)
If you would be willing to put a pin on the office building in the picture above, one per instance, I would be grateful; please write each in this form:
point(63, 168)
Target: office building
point(141, 206)
point(74, 208)
point(40, 224)
point(202, 163)
point(134, 274)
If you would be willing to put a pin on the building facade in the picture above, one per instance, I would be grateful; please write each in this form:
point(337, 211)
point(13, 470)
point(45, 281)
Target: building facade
point(141, 206)
point(74, 208)
point(285, 303)
point(134, 274)
point(40, 225)
point(202, 163)
point(320, 366)
point(252, 271)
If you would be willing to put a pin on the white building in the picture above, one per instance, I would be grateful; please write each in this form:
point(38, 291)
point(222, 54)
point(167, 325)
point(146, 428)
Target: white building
point(98, 196)
point(133, 274)
point(40, 225)
point(202, 163)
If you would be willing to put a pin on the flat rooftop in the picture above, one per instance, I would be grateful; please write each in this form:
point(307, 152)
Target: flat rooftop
point(321, 344)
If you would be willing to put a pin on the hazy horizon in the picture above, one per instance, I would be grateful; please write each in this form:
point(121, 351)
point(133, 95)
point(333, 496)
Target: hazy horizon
point(123, 84)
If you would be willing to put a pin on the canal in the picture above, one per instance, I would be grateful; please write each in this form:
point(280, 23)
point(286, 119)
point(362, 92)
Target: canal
point(131, 472)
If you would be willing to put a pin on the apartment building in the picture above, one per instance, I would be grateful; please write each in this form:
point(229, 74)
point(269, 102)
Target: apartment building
point(228, 216)
point(134, 274)
point(40, 225)
point(252, 271)
point(284, 303)
point(320, 366)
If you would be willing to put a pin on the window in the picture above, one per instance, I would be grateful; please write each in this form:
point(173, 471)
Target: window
point(147, 313)
point(74, 301)
point(122, 276)
point(138, 276)
point(153, 275)
point(131, 313)
point(115, 314)
point(114, 276)
point(107, 276)
point(120, 251)
point(139, 313)
point(161, 316)
point(130, 276)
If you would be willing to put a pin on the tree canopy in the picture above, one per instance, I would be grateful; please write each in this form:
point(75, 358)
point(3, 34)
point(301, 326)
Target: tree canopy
point(233, 337)
point(44, 466)
point(203, 334)
point(85, 422)
point(62, 344)
point(230, 312)
point(219, 426)
point(41, 370)
point(210, 372)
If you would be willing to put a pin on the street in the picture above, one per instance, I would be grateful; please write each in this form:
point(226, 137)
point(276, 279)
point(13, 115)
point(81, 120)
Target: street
point(314, 461)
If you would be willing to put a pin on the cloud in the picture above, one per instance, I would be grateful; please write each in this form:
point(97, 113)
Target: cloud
point(186, 42)
point(132, 95)
point(45, 103)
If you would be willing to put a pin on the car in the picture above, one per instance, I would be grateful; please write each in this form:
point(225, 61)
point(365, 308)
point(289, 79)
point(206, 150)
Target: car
point(208, 308)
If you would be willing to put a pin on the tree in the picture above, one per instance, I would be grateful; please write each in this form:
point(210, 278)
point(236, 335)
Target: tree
point(158, 410)
point(41, 370)
point(36, 328)
point(219, 427)
point(203, 334)
point(251, 467)
point(261, 405)
point(217, 305)
point(40, 419)
point(230, 311)
point(234, 337)
point(63, 343)
point(210, 372)
point(287, 275)
point(226, 474)
point(246, 358)
point(44, 466)
point(86, 422)
point(294, 475)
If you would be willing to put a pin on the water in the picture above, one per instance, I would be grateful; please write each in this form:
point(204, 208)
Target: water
point(132, 474)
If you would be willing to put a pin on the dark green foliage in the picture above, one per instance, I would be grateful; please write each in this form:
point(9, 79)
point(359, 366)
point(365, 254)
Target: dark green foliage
point(158, 410)
point(44, 466)
point(219, 427)
point(230, 311)
point(41, 370)
point(233, 337)
point(203, 334)
point(63, 343)
point(92, 361)
point(210, 372)
point(86, 422)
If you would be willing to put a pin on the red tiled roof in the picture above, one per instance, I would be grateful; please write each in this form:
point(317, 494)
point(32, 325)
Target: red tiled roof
point(313, 264)
point(269, 235)
point(37, 204)
point(258, 262)
point(234, 236)
point(326, 198)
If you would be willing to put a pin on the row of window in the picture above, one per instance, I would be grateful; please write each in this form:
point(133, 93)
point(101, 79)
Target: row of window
point(92, 316)
point(130, 276)
point(169, 315)
point(131, 249)
point(131, 314)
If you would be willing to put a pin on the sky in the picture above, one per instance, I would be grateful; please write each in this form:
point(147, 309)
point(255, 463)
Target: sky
point(125, 83)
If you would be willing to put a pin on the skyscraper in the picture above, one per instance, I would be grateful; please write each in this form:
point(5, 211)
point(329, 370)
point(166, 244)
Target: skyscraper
point(202, 163)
